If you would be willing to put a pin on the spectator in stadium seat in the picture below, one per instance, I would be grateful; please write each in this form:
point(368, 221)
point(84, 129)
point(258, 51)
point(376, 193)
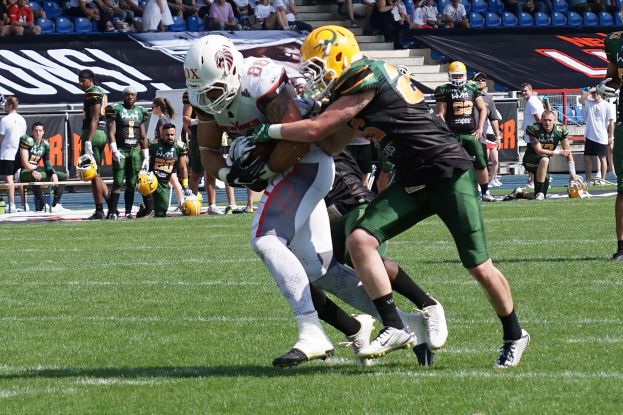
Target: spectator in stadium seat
point(221, 17)
point(533, 109)
point(156, 16)
point(353, 10)
point(454, 15)
point(599, 118)
point(12, 127)
point(21, 16)
point(287, 10)
point(33, 150)
point(265, 16)
point(425, 16)
point(83, 8)
point(385, 19)
point(110, 10)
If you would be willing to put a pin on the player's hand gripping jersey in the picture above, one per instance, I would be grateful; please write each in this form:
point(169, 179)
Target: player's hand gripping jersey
point(412, 137)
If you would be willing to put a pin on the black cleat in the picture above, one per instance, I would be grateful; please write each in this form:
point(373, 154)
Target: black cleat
point(617, 256)
point(424, 354)
point(96, 216)
point(296, 357)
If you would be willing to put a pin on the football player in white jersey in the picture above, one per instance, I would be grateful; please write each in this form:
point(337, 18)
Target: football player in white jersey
point(290, 231)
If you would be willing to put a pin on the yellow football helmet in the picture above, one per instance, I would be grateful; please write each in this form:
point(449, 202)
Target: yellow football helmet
point(325, 53)
point(146, 183)
point(191, 205)
point(577, 189)
point(86, 169)
point(457, 73)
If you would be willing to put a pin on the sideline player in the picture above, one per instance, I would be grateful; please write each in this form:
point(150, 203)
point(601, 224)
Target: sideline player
point(93, 137)
point(434, 176)
point(126, 132)
point(610, 87)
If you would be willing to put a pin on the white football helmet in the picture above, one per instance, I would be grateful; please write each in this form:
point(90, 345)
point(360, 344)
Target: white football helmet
point(212, 70)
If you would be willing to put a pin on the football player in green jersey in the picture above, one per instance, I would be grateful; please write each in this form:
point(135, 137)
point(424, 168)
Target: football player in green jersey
point(169, 155)
point(32, 150)
point(610, 88)
point(456, 104)
point(126, 132)
point(93, 136)
point(544, 138)
point(434, 176)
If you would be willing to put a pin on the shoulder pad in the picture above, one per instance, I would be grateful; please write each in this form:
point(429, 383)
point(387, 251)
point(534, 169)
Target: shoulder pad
point(357, 79)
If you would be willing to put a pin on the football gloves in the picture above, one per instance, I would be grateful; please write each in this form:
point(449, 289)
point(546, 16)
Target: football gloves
point(260, 135)
point(88, 148)
point(605, 91)
point(187, 191)
point(145, 165)
point(249, 175)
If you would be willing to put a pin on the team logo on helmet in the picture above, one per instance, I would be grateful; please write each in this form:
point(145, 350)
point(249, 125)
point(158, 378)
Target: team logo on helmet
point(225, 60)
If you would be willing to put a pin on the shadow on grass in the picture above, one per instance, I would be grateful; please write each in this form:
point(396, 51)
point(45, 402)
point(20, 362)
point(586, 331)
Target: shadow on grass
point(539, 259)
point(191, 372)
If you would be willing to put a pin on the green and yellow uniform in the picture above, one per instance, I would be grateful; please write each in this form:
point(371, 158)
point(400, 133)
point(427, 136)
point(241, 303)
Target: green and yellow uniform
point(164, 162)
point(461, 117)
point(434, 174)
point(94, 96)
point(549, 141)
point(127, 136)
point(613, 46)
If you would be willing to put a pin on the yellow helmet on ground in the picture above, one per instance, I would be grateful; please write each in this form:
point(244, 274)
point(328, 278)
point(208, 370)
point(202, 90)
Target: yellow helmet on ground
point(191, 205)
point(326, 52)
point(86, 169)
point(146, 183)
point(457, 73)
point(577, 189)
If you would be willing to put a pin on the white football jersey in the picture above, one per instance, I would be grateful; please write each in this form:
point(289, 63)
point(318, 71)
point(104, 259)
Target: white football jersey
point(260, 77)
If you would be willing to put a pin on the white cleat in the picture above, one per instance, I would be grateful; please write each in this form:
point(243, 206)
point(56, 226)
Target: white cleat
point(511, 351)
point(361, 339)
point(540, 196)
point(388, 340)
point(436, 327)
point(313, 343)
point(416, 325)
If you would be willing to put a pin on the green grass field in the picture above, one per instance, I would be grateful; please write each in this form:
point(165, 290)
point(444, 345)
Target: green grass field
point(178, 316)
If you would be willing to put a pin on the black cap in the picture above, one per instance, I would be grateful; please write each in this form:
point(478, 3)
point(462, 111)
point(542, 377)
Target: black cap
point(86, 74)
point(479, 75)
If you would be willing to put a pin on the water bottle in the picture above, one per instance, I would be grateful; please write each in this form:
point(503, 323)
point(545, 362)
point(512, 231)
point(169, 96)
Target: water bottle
point(2, 206)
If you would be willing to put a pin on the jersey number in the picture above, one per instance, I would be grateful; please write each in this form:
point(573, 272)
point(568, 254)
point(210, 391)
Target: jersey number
point(371, 133)
point(164, 165)
point(131, 129)
point(462, 108)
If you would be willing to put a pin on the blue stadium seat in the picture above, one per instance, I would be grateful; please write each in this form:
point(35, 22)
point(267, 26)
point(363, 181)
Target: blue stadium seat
point(496, 6)
point(617, 19)
point(476, 21)
point(179, 24)
point(46, 25)
point(467, 5)
point(605, 19)
point(574, 19)
point(590, 19)
point(34, 6)
point(559, 19)
point(525, 20)
point(561, 6)
point(195, 24)
point(479, 6)
point(541, 19)
point(492, 20)
point(82, 25)
point(509, 19)
point(441, 4)
point(52, 9)
point(64, 25)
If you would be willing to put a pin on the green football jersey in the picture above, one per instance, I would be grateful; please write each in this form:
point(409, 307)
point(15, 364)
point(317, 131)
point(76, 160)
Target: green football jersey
point(36, 152)
point(411, 136)
point(549, 141)
point(460, 103)
point(128, 123)
point(613, 46)
point(164, 158)
point(93, 96)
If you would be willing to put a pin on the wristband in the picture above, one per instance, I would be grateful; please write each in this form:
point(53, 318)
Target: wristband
point(557, 152)
point(113, 147)
point(274, 131)
point(572, 168)
point(222, 174)
point(184, 182)
point(145, 153)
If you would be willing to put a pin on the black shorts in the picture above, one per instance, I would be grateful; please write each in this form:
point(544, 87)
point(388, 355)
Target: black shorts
point(593, 148)
point(8, 167)
point(363, 154)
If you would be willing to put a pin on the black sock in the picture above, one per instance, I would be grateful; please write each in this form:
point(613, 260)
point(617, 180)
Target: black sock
point(538, 187)
point(58, 192)
point(546, 185)
point(114, 201)
point(404, 285)
point(99, 207)
point(510, 326)
point(331, 314)
point(387, 310)
point(128, 197)
point(620, 245)
point(484, 188)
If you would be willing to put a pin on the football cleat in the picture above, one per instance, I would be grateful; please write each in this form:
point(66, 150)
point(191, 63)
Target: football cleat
point(388, 340)
point(424, 354)
point(312, 343)
point(617, 256)
point(488, 198)
point(540, 196)
point(112, 216)
point(128, 216)
point(415, 324)
point(96, 216)
point(86, 169)
point(436, 327)
point(511, 351)
point(361, 339)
